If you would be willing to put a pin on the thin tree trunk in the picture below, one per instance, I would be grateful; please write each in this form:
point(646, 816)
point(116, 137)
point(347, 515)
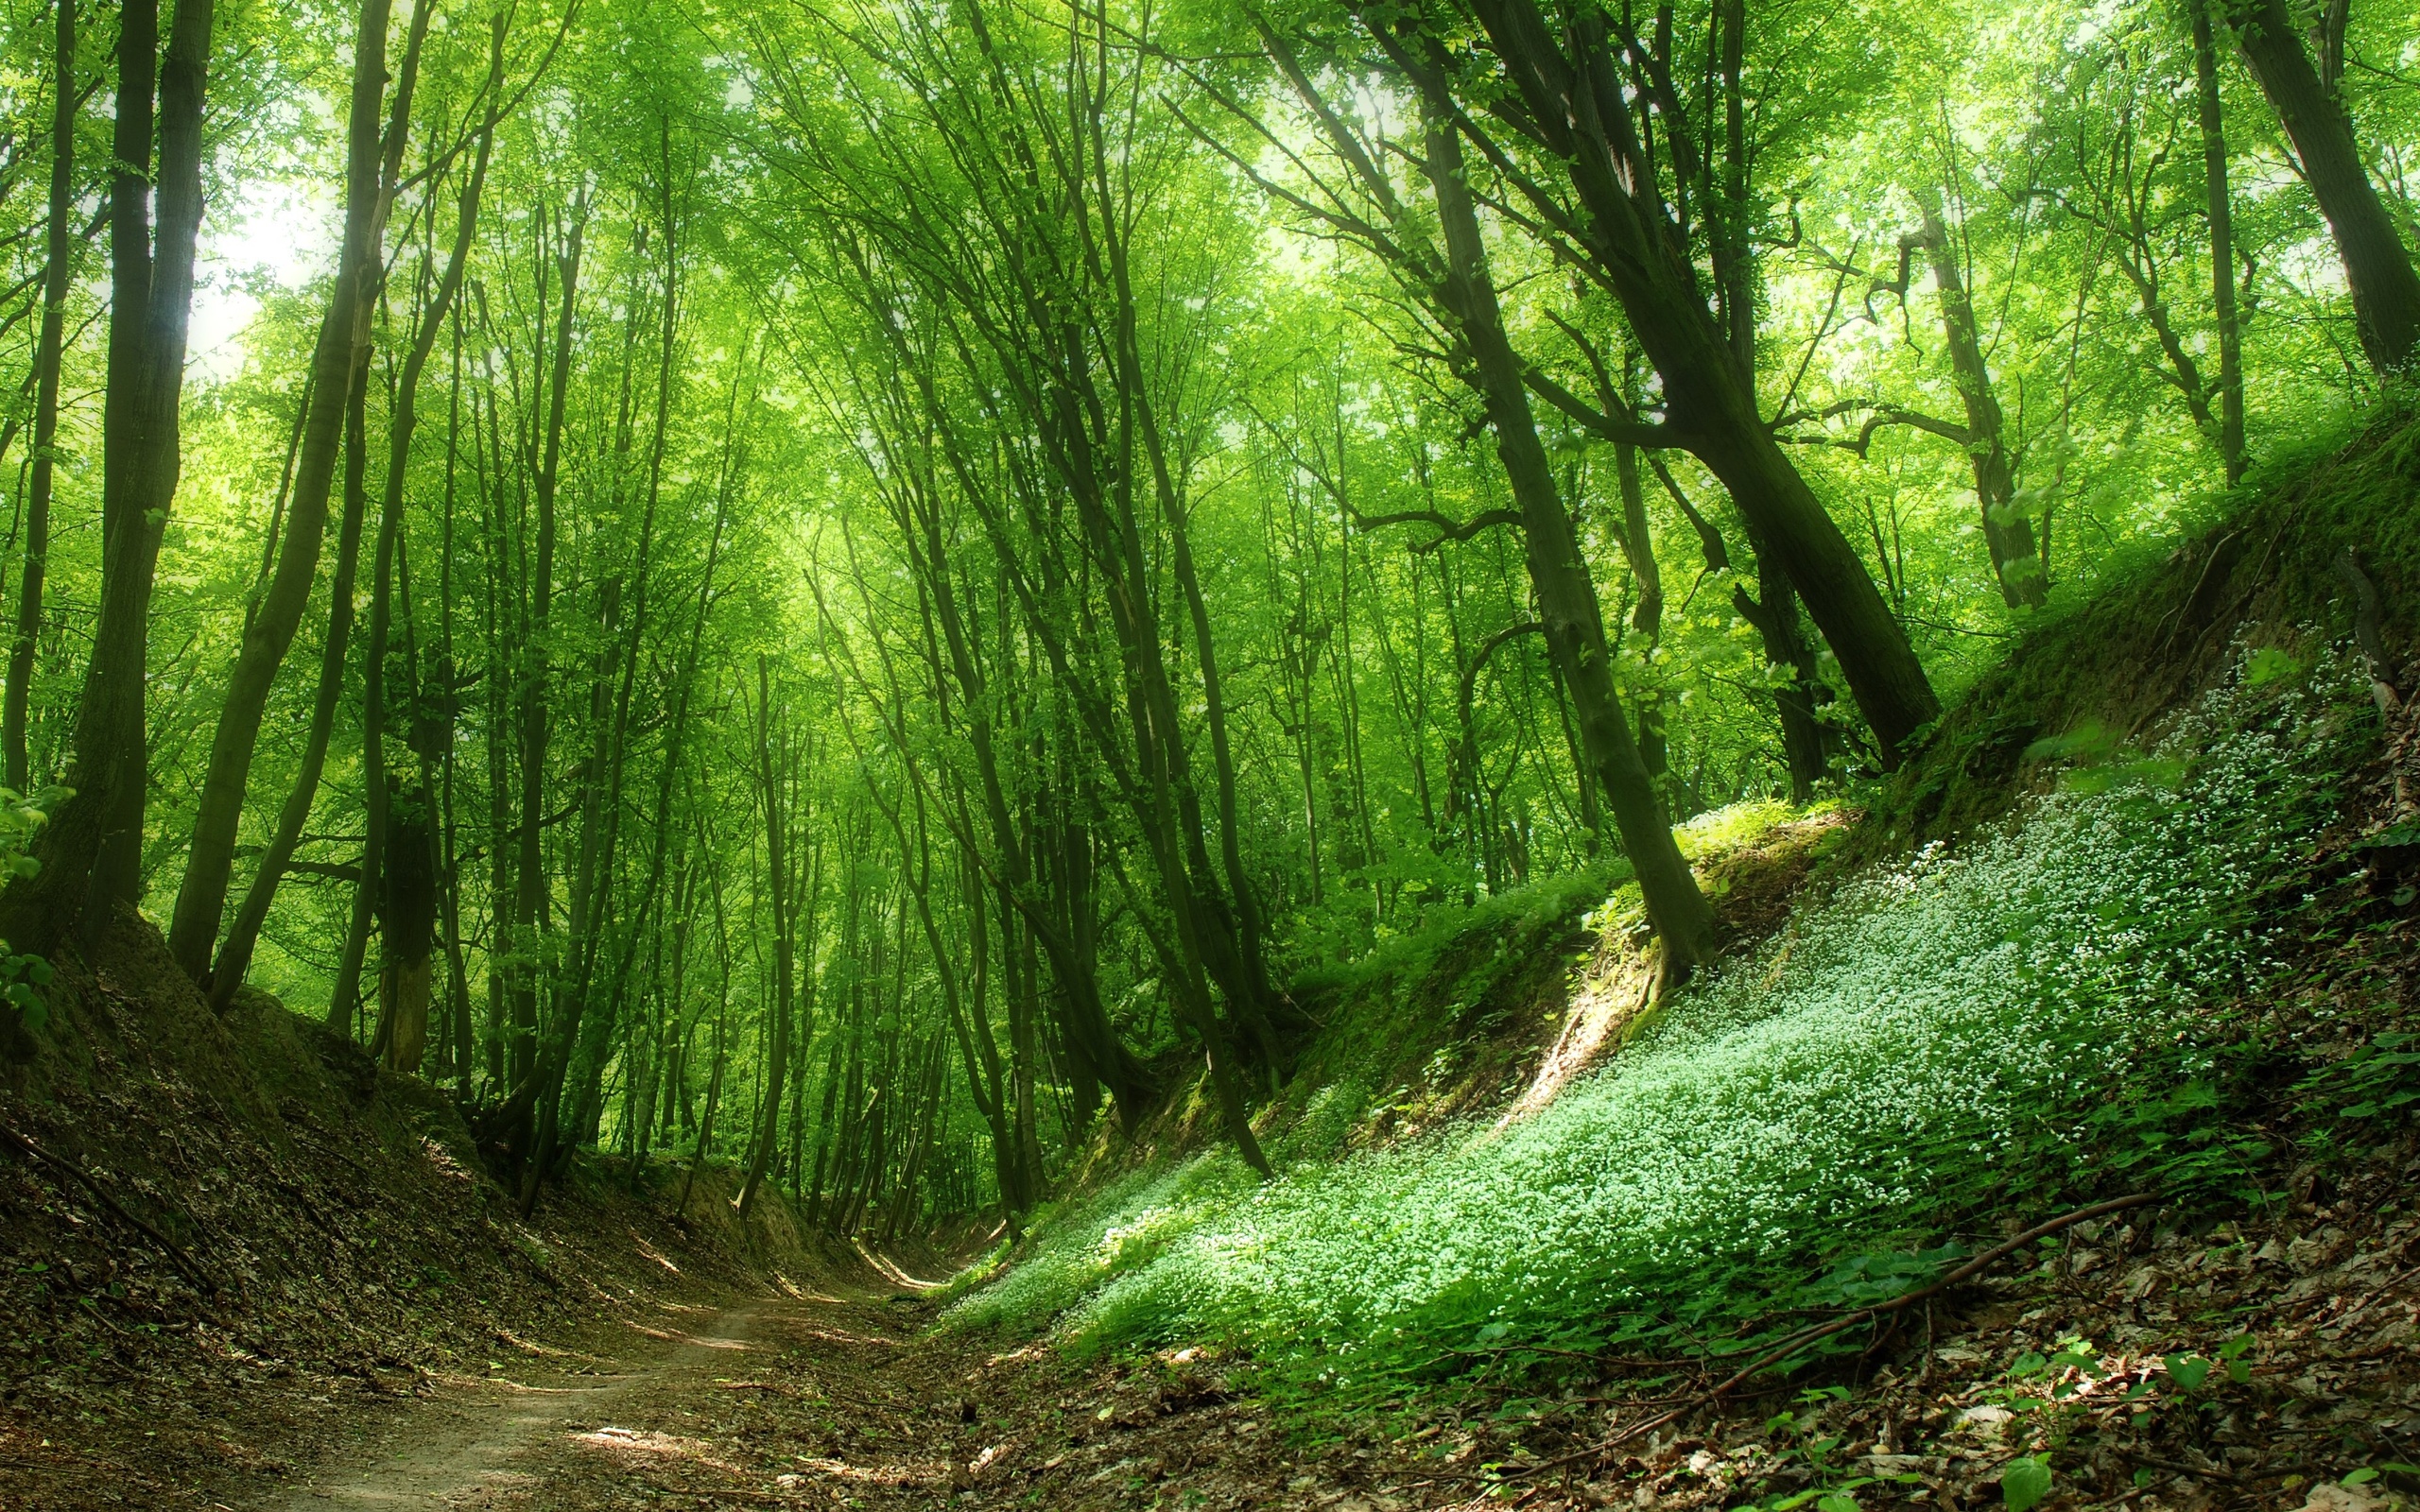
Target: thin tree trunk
point(777, 1062)
point(59, 252)
point(367, 893)
point(236, 953)
point(341, 354)
point(403, 422)
point(2221, 217)
point(1575, 630)
point(530, 870)
point(2007, 535)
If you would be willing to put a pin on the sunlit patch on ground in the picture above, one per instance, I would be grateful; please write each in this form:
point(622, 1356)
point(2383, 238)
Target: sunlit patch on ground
point(673, 1336)
point(869, 1475)
point(443, 1162)
point(531, 1346)
point(651, 1444)
point(836, 1336)
point(1600, 1012)
point(890, 1270)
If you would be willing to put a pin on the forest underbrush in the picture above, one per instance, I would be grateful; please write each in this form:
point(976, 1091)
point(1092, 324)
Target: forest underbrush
point(231, 1242)
point(2125, 958)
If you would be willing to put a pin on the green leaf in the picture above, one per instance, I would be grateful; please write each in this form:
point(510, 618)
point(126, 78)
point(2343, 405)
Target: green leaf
point(2188, 1370)
point(2360, 1477)
point(2025, 1483)
point(2268, 665)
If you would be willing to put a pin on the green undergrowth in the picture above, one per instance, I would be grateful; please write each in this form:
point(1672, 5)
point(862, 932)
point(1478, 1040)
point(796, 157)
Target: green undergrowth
point(2100, 669)
point(2022, 1015)
point(2022, 982)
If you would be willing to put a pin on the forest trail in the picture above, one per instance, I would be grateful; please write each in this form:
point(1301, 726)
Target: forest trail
point(847, 1398)
point(484, 1441)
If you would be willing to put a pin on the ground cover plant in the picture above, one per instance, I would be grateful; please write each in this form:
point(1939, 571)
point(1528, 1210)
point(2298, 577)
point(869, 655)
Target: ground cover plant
point(1934, 1038)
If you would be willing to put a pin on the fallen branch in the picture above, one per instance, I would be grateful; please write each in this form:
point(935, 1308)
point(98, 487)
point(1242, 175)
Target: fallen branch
point(1817, 1333)
point(183, 1262)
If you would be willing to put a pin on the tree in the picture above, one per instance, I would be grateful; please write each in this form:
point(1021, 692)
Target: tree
point(2377, 267)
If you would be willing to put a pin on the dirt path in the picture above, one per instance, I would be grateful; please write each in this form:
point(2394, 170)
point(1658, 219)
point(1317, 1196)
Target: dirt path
point(479, 1442)
point(833, 1402)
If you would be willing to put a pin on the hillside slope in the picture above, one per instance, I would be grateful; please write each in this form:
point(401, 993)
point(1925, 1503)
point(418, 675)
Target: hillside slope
point(2136, 929)
point(229, 1241)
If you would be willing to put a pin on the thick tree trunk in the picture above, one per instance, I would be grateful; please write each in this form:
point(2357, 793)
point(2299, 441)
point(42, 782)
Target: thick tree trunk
point(91, 855)
point(2377, 267)
point(1578, 112)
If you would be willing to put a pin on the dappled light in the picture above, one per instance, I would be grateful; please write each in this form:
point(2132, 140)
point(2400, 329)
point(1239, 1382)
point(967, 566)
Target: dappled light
point(1100, 755)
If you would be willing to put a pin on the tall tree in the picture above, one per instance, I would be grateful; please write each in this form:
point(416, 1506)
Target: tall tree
point(91, 855)
point(338, 362)
point(58, 247)
point(2377, 265)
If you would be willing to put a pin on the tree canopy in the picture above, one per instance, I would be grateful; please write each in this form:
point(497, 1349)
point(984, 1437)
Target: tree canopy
point(864, 587)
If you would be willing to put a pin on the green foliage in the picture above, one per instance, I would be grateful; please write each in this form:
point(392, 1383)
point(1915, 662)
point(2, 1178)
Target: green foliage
point(1924, 1044)
point(2025, 1483)
point(23, 976)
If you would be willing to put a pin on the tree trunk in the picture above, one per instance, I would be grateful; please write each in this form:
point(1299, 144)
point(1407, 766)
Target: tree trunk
point(91, 853)
point(2377, 267)
point(1578, 112)
point(403, 421)
point(777, 1061)
point(59, 252)
point(2221, 217)
point(1575, 631)
point(235, 954)
point(530, 870)
point(342, 351)
point(366, 895)
point(2007, 535)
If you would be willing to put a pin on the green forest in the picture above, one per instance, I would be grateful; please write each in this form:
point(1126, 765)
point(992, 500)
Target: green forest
point(1407, 753)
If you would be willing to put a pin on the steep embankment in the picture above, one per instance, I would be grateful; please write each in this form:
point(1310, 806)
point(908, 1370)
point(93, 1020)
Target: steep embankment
point(2136, 928)
point(230, 1243)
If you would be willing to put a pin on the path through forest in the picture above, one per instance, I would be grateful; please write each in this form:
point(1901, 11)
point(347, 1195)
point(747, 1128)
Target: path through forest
point(486, 1441)
point(842, 1398)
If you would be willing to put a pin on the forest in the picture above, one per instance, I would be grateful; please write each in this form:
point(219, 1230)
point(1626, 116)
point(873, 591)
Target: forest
point(1450, 725)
